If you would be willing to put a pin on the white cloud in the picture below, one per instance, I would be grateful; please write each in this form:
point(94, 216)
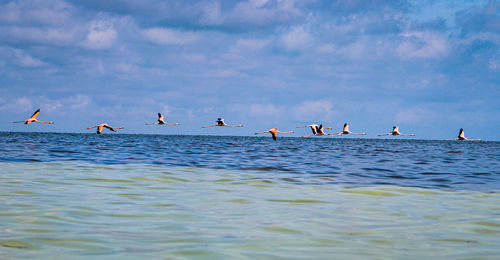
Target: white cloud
point(494, 64)
point(326, 48)
point(481, 36)
point(193, 58)
point(249, 13)
point(26, 60)
point(257, 3)
point(314, 110)
point(166, 110)
point(56, 23)
point(251, 45)
point(39, 12)
point(51, 36)
point(126, 67)
point(355, 50)
point(100, 67)
point(27, 104)
point(413, 116)
point(263, 12)
point(22, 104)
point(78, 101)
point(166, 36)
point(223, 73)
point(52, 106)
point(297, 38)
point(266, 111)
point(101, 34)
point(212, 14)
point(422, 45)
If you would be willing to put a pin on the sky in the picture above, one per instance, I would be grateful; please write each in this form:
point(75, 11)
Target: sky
point(429, 67)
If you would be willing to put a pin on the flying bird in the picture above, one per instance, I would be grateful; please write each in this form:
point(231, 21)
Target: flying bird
point(318, 130)
point(313, 127)
point(220, 122)
point(274, 132)
point(101, 126)
point(395, 131)
point(161, 121)
point(346, 131)
point(33, 119)
point(461, 136)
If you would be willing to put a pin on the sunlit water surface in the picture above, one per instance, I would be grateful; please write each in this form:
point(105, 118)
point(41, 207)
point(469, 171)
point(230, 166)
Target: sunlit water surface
point(78, 196)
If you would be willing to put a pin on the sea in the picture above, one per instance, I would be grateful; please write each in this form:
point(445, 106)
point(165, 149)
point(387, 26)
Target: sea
point(125, 196)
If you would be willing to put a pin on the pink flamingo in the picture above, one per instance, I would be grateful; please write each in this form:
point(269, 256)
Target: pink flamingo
point(461, 136)
point(161, 121)
point(317, 130)
point(395, 131)
point(274, 132)
point(101, 126)
point(346, 131)
point(220, 122)
point(33, 119)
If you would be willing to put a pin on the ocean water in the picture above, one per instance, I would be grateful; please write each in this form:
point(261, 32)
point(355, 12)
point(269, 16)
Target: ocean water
point(114, 196)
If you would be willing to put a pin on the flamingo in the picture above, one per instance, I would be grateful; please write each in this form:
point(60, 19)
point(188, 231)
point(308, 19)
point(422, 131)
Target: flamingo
point(313, 127)
point(161, 121)
point(101, 126)
point(461, 136)
point(220, 122)
point(318, 131)
point(346, 131)
point(395, 131)
point(33, 119)
point(274, 132)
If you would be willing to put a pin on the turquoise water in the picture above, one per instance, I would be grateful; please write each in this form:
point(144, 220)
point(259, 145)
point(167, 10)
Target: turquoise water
point(70, 210)
point(57, 208)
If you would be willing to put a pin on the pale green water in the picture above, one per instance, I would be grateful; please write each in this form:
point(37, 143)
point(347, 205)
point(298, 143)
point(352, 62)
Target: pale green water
point(80, 210)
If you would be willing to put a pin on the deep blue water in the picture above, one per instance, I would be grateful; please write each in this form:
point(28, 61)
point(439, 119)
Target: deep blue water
point(455, 165)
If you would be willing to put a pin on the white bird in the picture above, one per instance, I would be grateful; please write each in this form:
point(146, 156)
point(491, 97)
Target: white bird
point(220, 122)
point(313, 127)
point(101, 126)
point(317, 130)
point(274, 132)
point(461, 136)
point(161, 121)
point(33, 119)
point(395, 131)
point(346, 131)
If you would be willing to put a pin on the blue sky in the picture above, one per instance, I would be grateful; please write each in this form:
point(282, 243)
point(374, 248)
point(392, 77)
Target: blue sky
point(430, 67)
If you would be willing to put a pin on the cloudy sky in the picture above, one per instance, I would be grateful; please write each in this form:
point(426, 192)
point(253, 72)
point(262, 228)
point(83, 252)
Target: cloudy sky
point(430, 67)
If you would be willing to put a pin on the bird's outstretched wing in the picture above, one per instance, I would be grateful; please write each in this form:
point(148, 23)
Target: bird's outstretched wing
point(35, 114)
point(109, 127)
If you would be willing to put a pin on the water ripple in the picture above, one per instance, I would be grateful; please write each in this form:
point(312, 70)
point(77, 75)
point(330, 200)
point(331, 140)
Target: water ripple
point(458, 165)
